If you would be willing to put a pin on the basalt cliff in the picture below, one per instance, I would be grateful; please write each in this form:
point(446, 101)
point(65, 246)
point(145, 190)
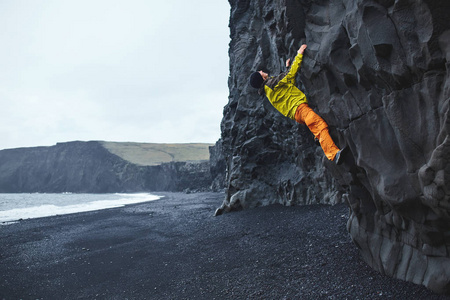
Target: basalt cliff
point(378, 72)
point(100, 167)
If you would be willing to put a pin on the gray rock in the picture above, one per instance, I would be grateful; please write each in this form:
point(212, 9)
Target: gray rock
point(377, 72)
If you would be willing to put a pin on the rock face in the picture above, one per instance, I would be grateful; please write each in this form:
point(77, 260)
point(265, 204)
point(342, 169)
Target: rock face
point(268, 158)
point(378, 73)
point(88, 167)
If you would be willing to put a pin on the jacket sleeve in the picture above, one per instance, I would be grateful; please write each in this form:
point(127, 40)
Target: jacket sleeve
point(293, 71)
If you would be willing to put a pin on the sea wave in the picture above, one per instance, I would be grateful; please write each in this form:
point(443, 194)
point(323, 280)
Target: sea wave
point(9, 216)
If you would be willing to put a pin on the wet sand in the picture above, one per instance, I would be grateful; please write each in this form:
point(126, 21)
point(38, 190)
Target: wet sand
point(174, 248)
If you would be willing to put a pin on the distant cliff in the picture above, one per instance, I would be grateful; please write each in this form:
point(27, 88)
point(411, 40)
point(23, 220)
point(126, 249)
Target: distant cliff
point(89, 167)
point(378, 72)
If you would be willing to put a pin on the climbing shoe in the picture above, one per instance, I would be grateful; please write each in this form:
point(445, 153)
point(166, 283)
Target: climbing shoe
point(339, 158)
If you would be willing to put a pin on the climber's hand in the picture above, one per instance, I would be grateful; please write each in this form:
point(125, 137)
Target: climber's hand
point(302, 49)
point(288, 62)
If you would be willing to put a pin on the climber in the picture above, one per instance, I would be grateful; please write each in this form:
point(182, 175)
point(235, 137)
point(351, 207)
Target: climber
point(291, 102)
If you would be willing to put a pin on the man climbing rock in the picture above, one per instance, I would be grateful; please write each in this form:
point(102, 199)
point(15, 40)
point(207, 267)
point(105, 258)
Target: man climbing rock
point(291, 102)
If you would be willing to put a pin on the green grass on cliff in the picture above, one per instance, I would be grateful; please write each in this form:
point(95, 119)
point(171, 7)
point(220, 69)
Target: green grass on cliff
point(150, 154)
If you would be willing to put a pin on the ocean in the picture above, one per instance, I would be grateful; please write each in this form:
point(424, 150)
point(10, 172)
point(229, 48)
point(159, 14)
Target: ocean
point(14, 207)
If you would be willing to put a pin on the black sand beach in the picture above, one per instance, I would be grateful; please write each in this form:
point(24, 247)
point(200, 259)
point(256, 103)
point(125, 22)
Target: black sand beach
point(174, 248)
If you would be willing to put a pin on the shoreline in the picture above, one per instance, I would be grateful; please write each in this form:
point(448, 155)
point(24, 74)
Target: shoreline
point(175, 248)
point(43, 210)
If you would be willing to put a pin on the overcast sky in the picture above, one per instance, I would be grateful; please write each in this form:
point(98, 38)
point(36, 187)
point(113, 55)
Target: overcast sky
point(115, 70)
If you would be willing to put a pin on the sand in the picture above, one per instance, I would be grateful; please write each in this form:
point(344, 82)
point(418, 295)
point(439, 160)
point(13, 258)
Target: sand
point(174, 248)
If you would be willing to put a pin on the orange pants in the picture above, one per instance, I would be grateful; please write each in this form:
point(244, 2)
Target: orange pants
point(305, 115)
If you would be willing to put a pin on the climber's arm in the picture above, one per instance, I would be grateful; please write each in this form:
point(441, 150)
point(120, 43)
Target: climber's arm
point(295, 65)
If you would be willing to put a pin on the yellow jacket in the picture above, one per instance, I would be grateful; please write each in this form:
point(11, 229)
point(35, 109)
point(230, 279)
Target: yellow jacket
point(282, 92)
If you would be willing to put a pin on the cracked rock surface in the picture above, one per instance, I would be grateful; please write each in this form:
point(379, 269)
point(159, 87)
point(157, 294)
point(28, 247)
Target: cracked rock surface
point(378, 73)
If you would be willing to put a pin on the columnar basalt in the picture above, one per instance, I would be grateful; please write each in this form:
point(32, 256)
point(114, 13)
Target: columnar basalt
point(378, 73)
point(269, 158)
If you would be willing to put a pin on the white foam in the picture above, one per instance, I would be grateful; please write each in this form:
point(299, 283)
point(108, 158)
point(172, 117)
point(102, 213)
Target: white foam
point(7, 216)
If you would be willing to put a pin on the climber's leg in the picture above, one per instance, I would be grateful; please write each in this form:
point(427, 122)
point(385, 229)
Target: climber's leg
point(305, 115)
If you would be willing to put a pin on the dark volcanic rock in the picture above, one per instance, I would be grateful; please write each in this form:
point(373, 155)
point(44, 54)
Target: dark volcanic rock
point(88, 167)
point(378, 73)
point(268, 158)
point(217, 167)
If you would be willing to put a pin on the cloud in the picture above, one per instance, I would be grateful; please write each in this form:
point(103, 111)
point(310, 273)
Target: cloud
point(148, 71)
